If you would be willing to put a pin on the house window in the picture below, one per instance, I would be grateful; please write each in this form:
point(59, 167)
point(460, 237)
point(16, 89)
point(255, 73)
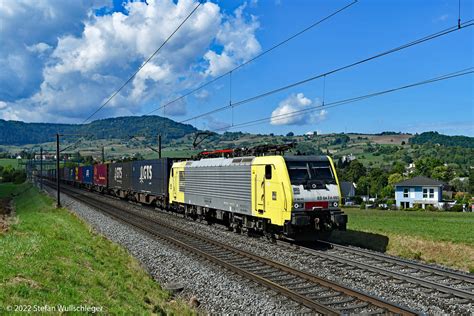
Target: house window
point(405, 192)
point(425, 193)
point(431, 193)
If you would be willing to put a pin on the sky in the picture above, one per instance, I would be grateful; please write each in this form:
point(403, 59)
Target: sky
point(60, 60)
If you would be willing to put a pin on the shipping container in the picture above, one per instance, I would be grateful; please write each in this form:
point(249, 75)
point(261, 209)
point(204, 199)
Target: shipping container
point(65, 173)
point(77, 174)
point(87, 174)
point(52, 173)
point(119, 176)
point(100, 175)
point(151, 176)
point(72, 174)
point(80, 174)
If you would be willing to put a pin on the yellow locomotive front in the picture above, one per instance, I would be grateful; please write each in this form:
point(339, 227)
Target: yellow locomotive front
point(316, 197)
point(294, 197)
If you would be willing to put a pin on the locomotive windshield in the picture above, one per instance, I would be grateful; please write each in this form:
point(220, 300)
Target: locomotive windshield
point(303, 171)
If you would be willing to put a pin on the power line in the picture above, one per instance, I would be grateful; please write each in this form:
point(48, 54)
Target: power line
point(451, 75)
point(143, 65)
point(256, 57)
point(393, 50)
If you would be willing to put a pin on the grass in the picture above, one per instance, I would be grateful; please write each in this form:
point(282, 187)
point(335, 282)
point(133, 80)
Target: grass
point(9, 162)
point(51, 257)
point(440, 237)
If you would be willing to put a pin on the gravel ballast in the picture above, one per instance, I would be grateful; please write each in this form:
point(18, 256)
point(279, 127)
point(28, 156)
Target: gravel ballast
point(399, 292)
point(216, 290)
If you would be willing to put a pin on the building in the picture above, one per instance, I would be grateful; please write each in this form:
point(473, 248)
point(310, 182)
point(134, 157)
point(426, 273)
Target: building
point(348, 191)
point(348, 158)
point(419, 190)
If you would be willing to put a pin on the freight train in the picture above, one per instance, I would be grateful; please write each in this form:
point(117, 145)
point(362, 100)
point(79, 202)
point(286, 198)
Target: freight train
point(290, 197)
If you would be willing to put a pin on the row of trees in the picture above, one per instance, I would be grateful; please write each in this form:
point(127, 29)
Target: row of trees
point(9, 174)
point(381, 182)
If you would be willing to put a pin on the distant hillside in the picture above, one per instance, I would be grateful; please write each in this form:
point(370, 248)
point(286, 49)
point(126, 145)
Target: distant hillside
point(436, 138)
point(20, 133)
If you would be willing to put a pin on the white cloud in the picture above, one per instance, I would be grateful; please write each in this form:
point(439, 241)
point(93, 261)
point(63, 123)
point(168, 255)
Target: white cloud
point(282, 115)
point(3, 105)
point(202, 95)
point(39, 48)
point(27, 29)
point(237, 37)
point(76, 69)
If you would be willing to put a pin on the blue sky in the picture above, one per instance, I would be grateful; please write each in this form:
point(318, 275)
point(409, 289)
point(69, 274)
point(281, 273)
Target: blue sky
point(65, 65)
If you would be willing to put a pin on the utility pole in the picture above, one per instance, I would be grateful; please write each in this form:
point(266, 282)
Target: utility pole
point(58, 203)
point(103, 154)
point(41, 168)
point(159, 146)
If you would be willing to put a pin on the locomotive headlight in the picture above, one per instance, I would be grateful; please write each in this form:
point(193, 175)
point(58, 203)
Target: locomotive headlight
point(335, 204)
point(298, 205)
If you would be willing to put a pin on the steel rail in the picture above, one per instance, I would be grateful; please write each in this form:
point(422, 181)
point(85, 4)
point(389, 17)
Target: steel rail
point(302, 299)
point(385, 272)
point(251, 276)
point(404, 262)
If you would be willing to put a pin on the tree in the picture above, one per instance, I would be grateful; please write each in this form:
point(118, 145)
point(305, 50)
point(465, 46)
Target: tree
point(398, 167)
point(362, 185)
point(387, 192)
point(443, 173)
point(290, 134)
point(394, 178)
point(355, 171)
point(471, 181)
point(460, 186)
point(425, 166)
point(378, 180)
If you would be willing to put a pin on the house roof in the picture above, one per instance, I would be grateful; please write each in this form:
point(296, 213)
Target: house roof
point(419, 181)
point(346, 188)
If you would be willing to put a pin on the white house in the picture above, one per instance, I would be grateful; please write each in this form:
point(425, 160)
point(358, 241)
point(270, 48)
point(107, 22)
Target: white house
point(419, 190)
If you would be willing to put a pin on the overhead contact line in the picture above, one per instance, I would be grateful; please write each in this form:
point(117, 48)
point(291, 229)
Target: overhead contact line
point(144, 63)
point(298, 83)
point(256, 57)
point(451, 75)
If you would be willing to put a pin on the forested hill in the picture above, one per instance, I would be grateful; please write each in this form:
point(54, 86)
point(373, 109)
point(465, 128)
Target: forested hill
point(20, 133)
point(436, 138)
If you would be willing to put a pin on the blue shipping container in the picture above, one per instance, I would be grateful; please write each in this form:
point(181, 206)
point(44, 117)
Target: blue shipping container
point(88, 174)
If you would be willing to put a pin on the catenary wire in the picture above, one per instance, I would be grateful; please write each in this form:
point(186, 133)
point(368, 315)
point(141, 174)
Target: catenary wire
point(143, 64)
point(459, 73)
point(254, 58)
point(393, 50)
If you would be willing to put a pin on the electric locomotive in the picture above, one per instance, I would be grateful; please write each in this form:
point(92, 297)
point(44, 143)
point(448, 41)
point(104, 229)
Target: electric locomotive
point(294, 197)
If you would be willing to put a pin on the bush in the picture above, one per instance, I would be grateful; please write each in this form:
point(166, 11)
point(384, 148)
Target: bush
point(431, 208)
point(456, 208)
point(362, 206)
point(19, 177)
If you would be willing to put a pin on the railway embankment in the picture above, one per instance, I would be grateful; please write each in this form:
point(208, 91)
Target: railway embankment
point(52, 261)
point(422, 288)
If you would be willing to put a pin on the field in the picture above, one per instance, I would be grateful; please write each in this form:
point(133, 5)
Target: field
point(441, 237)
point(51, 257)
point(9, 162)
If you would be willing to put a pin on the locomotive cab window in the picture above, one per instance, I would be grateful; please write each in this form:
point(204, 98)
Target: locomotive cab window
point(301, 172)
point(268, 172)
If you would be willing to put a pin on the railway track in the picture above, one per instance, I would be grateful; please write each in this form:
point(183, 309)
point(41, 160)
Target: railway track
point(316, 294)
point(453, 284)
